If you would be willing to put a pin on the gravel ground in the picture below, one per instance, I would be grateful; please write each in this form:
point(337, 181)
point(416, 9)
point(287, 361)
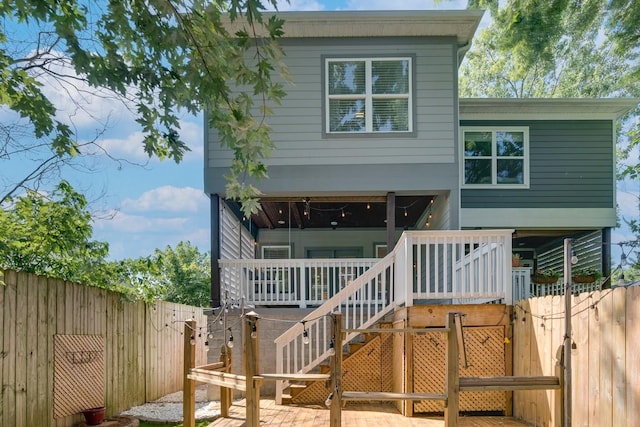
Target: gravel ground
point(169, 408)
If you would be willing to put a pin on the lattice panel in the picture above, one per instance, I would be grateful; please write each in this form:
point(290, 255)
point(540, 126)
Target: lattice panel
point(361, 371)
point(485, 356)
point(78, 376)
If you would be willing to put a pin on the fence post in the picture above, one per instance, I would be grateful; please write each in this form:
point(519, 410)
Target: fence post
point(453, 374)
point(335, 390)
point(189, 387)
point(225, 392)
point(250, 361)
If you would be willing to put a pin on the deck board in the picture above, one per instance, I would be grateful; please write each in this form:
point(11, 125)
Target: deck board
point(352, 415)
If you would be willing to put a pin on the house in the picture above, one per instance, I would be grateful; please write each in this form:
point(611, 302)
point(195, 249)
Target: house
point(374, 147)
point(344, 183)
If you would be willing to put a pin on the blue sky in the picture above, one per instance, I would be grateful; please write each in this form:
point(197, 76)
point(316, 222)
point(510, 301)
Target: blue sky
point(148, 204)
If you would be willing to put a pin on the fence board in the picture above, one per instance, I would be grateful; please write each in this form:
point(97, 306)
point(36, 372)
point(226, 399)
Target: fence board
point(633, 355)
point(35, 309)
point(594, 362)
point(20, 385)
point(618, 380)
point(605, 360)
point(580, 356)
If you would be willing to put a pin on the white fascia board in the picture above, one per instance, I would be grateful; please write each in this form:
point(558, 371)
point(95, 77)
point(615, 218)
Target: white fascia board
point(567, 218)
point(461, 24)
point(545, 108)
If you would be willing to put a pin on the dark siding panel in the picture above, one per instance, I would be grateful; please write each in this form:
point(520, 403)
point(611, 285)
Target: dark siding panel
point(571, 164)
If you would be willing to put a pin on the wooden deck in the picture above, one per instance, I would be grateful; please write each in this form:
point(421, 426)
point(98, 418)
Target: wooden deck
point(355, 415)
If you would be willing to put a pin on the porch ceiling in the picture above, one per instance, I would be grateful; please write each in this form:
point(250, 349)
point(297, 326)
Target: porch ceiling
point(340, 212)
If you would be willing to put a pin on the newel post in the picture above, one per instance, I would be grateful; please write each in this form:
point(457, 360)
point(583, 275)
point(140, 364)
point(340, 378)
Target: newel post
point(250, 361)
point(334, 401)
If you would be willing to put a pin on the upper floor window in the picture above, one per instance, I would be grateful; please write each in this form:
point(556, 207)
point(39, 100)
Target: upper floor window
point(368, 95)
point(495, 157)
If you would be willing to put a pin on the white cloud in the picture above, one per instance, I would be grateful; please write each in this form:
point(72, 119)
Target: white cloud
point(123, 222)
point(84, 105)
point(130, 147)
point(169, 199)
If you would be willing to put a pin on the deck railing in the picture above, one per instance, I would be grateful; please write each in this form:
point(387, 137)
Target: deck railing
point(433, 265)
point(429, 265)
point(301, 282)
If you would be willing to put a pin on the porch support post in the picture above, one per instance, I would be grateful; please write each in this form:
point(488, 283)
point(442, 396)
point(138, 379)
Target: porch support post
point(508, 268)
point(391, 221)
point(215, 250)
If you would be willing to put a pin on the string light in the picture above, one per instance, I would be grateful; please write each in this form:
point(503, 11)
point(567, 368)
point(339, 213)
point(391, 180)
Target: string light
point(368, 205)
point(405, 212)
point(332, 350)
point(327, 402)
point(254, 331)
point(192, 340)
point(230, 341)
point(206, 346)
point(305, 333)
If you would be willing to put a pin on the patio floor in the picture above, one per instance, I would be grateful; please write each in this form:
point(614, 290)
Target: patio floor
point(353, 415)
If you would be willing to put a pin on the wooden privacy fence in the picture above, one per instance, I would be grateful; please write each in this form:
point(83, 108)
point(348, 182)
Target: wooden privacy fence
point(140, 346)
point(605, 365)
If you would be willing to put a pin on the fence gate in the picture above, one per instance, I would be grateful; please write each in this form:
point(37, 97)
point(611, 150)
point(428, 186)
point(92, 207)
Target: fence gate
point(485, 357)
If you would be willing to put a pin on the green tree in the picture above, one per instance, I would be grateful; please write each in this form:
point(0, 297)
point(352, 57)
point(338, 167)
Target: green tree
point(535, 27)
point(180, 275)
point(51, 235)
point(578, 64)
point(160, 57)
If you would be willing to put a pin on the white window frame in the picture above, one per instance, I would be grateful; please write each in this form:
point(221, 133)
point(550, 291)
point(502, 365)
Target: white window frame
point(276, 247)
point(494, 157)
point(368, 95)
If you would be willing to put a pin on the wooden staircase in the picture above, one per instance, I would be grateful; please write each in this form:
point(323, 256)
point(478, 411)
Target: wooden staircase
point(366, 366)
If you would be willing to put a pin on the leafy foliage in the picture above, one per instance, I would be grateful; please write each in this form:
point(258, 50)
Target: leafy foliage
point(180, 275)
point(160, 56)
point(51, 236)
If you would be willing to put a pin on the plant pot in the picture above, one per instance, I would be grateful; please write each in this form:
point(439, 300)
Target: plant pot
point(94, 416)
point(544, 279)
point(583, 279)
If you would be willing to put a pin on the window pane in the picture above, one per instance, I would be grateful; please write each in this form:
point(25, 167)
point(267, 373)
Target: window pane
point(346, 77)
point(510, 144)
point(477, 144)
point(510, 172)
point(390, 77)
point(477, 171)
point(390, 115)
point(346, 115)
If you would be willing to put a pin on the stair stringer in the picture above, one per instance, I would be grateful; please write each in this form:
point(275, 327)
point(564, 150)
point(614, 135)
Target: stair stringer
point(368, 369)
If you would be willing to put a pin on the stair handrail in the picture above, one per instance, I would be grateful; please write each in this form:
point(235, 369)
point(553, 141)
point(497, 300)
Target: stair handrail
point(358, 312)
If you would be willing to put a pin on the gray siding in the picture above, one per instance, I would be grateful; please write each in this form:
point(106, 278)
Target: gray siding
point(571, 164)
point(301, 240)
point(297, 124)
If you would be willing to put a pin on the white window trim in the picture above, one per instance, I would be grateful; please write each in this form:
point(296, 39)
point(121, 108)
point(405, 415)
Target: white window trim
point(276, 247)
point(494, 158)
point(369, 97)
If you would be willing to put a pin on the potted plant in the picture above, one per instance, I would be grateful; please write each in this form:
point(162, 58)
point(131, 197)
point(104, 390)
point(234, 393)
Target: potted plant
point(545, 276)
point(585, 275)
point(515, 260)
point(94, 416)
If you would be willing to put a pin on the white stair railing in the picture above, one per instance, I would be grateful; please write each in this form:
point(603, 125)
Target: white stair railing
point(362, 302)
point(424, 265)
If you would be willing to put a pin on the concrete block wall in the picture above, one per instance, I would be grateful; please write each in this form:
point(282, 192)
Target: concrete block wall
point(272, 323)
